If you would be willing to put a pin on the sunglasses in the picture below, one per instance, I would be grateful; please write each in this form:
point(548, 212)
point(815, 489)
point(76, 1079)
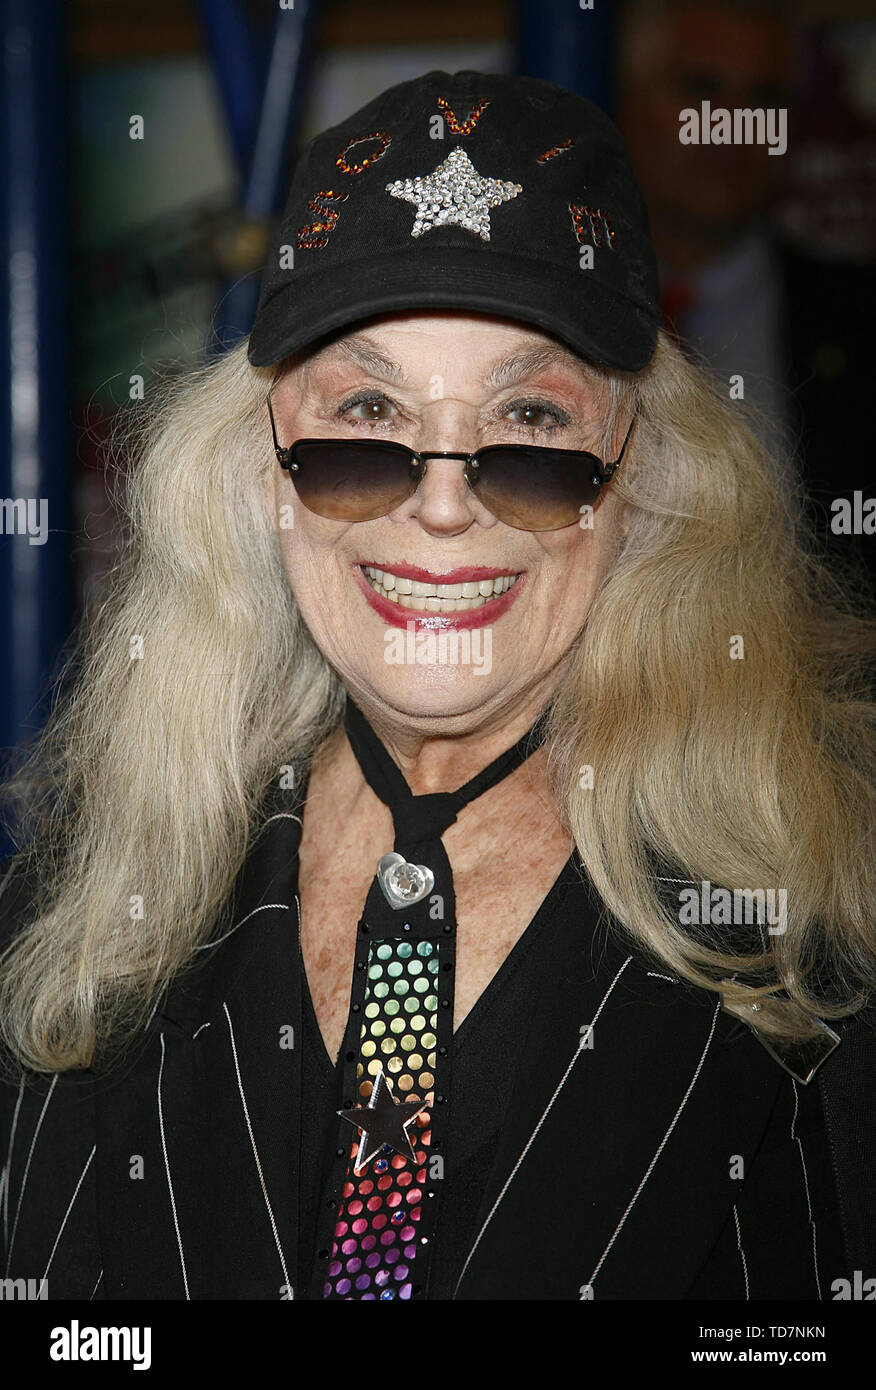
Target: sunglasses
point(522, 485)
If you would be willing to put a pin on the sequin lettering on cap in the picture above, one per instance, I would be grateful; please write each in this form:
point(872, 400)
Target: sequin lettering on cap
point(555, 150)
point(316, 234)
point(466, 127)
point(596, 216)
point(357, 168)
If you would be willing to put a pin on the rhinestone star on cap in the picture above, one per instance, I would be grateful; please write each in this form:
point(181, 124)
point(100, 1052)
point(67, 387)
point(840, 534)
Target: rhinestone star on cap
point(454, 195)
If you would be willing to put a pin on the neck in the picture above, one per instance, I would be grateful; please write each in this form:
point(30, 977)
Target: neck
point(439, 753)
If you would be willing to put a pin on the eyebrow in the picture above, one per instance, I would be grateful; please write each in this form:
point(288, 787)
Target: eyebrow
point(512, 368)
point(525, 361)
point(369, 355)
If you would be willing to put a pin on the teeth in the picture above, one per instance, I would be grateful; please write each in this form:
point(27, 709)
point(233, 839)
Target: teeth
point(436, 598)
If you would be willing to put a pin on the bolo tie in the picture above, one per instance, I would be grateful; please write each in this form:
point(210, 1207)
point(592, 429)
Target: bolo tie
point(384, 1182)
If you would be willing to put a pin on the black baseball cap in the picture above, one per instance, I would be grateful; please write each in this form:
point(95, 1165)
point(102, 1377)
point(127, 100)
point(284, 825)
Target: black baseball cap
point(500, 194)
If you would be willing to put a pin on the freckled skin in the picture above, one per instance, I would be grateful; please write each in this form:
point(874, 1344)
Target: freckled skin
point(441, 724)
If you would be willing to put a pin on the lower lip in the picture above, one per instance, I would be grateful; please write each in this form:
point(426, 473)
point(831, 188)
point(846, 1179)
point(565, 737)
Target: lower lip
point(396, 616)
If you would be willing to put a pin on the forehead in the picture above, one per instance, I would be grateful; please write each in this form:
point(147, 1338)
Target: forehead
point(494, 352)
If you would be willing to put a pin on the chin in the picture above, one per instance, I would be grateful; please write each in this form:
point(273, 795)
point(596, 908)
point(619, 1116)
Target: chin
point(429, 693)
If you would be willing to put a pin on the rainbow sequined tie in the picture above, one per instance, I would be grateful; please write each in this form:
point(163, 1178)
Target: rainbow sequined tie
point(384, 1189)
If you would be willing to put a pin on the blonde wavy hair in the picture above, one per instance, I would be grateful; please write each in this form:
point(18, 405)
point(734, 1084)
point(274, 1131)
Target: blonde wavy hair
point(150, 774)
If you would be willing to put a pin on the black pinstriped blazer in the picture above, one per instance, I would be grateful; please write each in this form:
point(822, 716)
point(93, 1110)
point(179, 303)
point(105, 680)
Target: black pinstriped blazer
point(673, 1159)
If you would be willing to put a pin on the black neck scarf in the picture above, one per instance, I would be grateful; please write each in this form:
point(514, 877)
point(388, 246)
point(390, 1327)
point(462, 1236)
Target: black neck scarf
point(384, 1187)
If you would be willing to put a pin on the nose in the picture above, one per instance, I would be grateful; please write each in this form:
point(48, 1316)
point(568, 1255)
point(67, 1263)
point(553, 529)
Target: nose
point(444, 503)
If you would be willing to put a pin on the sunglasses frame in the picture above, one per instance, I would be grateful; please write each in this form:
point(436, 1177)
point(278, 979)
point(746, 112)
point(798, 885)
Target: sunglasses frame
point(417, 461)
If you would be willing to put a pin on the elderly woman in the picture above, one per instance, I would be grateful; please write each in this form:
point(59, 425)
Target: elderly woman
point(447, 871)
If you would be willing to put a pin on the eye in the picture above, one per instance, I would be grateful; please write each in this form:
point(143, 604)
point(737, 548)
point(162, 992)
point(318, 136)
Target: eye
point(536, 414)
point(377, 407)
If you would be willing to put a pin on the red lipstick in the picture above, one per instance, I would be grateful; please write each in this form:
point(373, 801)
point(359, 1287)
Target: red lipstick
point(397, 616)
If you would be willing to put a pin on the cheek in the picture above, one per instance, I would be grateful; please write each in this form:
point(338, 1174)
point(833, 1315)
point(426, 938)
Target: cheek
point(307, 541)
point(589, 546)
point(579, 559)
point(287, 522)
point(284, 505)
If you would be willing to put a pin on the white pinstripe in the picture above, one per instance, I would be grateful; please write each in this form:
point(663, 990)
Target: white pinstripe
point(39, 1124)
point(545, 1113)
point(7, 1171)
point(70, 1208)
point(265, 907)
point(182, 1258)
point(280, 815)
point(255, 1152)
point(660, 1147)
point(154, 1011)
point(96, 1287)
point(741, 1253)
point(806, 1187)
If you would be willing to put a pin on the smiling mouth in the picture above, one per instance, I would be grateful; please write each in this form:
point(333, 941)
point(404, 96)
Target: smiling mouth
point(437, 598)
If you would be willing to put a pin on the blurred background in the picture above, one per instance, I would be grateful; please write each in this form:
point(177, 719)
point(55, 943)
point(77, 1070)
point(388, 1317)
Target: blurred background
point(124, 257)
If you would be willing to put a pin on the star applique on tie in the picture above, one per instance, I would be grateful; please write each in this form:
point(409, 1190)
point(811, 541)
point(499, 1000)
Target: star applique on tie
point(383, 1121)
point(454, 195)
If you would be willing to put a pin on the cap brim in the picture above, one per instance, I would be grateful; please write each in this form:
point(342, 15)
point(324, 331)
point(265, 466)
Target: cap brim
point(589, 317)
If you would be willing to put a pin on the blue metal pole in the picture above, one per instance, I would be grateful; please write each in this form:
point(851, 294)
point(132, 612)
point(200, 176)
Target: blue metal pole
point(565, 42)
point(267, 176)
point(281, 108)
point(35, 435)
point(230, 39)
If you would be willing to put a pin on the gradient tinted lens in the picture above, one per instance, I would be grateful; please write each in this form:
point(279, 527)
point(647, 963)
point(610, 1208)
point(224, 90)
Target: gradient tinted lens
point(535, 489)
point(355, 480)
point(362, 479)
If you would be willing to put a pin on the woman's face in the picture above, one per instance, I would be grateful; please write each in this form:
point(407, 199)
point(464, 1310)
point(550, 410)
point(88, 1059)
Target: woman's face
point(440, 380)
